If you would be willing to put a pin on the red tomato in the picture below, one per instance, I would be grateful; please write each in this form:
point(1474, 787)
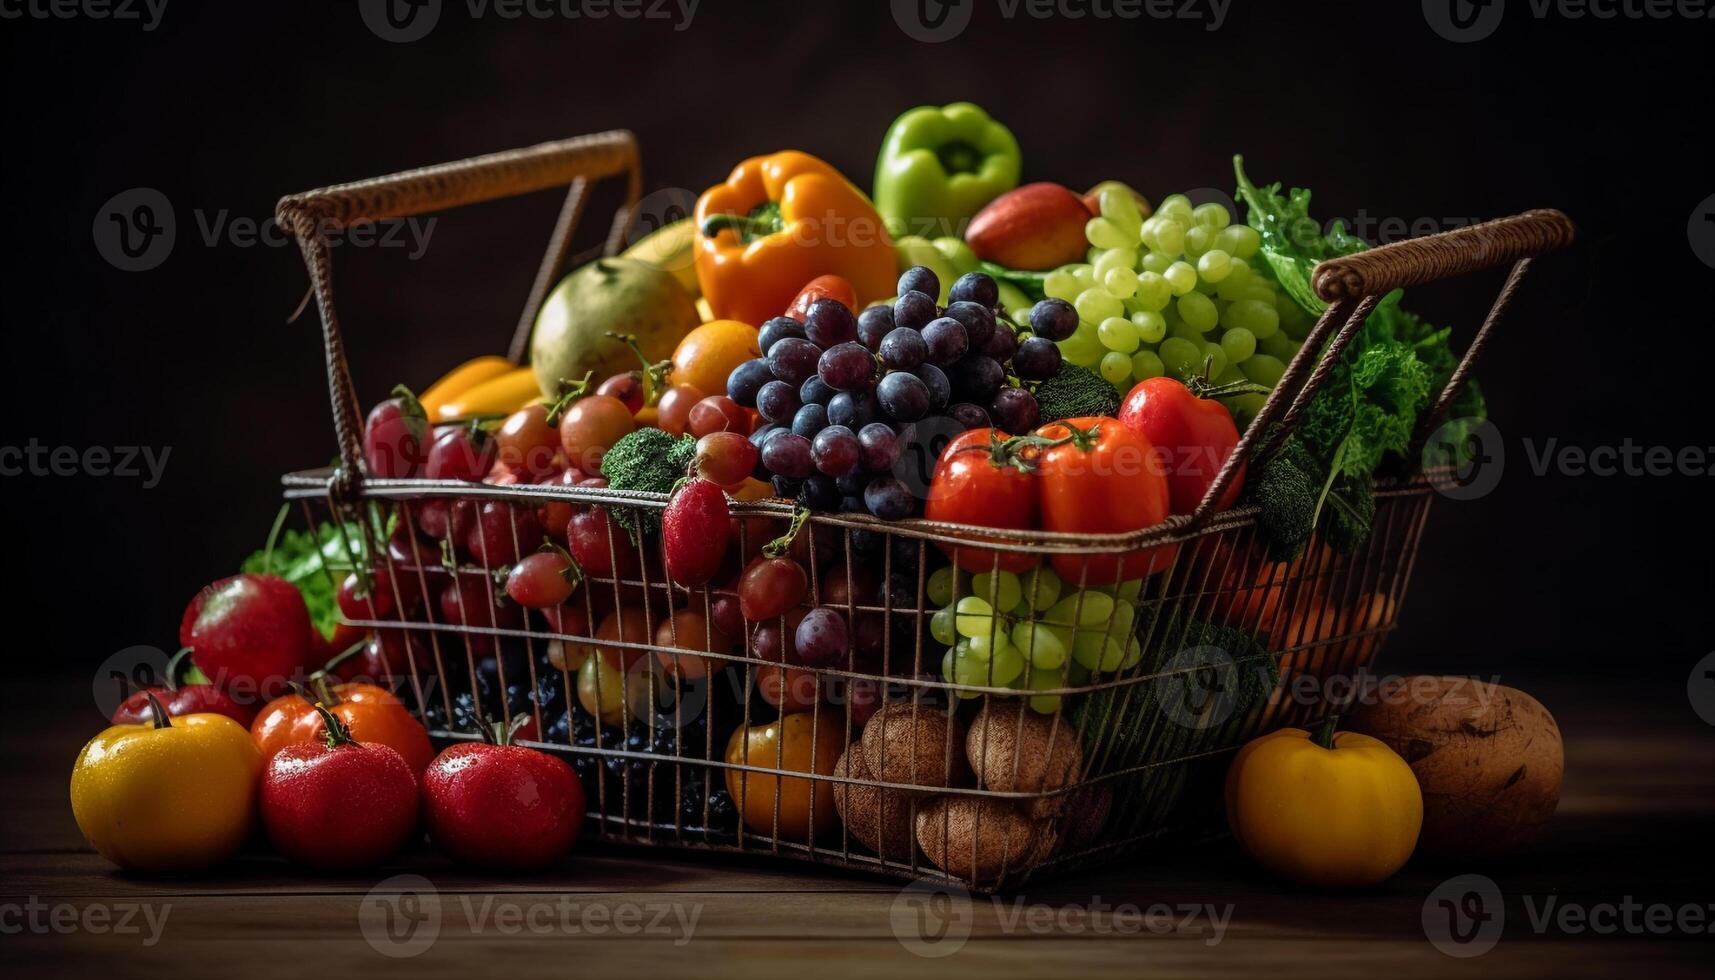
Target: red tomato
point(502, 806)
point(348, 805)
point(1107, 479)
point(1194, 435)
point(822, 287)
point(976, 481)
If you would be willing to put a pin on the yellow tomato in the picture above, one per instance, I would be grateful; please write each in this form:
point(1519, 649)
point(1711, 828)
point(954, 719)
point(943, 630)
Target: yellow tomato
point(753, 489)
point(176, 797)
point(1345, 815)
point(795, 743)
point(709, 353)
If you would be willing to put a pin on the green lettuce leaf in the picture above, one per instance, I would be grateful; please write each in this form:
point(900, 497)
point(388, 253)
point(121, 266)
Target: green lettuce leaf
point(315, 563)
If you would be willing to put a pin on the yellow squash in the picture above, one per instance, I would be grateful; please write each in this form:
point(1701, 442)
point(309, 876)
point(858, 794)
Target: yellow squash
point(176, 795)
point(501, 395)
point(462, 379)
point(1334, 810)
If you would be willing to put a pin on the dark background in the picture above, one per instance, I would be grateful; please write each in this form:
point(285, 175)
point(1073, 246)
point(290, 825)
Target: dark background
point(226, 107)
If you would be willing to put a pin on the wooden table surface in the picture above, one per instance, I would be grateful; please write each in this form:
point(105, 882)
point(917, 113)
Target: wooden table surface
point(1632, 836)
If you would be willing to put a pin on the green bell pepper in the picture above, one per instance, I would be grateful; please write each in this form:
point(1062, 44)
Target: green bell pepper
point(939, 166)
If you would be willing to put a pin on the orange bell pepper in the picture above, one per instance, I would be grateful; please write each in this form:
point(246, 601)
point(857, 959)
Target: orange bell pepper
point(780, 221)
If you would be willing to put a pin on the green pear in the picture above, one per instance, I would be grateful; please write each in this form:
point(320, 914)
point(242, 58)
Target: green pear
point(608, 296)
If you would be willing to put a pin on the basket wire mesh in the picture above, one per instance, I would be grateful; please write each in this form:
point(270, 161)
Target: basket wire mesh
point(1228, 643)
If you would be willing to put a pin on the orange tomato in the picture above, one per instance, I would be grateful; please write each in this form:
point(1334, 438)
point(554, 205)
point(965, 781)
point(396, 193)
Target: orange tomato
point(372, 713)
point(691, 630)
point(710, 352)
point(590, 427)
point(629, 624)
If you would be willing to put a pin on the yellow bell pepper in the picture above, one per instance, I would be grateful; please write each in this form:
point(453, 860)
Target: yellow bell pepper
point(462, 379)
point(497, 396)
point(1334, 810)
point(175, 795)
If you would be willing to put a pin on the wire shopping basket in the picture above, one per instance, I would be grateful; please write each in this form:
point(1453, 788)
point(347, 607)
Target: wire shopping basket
point(692, 727)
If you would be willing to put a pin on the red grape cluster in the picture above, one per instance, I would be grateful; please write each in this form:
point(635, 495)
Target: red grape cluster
point(842, 395)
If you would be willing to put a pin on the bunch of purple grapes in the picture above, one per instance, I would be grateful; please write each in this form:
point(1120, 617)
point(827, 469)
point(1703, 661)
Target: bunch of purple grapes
point(843, 395)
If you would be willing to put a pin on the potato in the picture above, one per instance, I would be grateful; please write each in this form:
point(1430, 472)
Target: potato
point(905, 743)
point(1488, 759)
point(883, 827)
point(980, 839)
point(1018, 751)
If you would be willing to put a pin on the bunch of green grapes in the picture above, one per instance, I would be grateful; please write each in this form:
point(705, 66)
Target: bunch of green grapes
point(1166, 294)
point(1030, 633)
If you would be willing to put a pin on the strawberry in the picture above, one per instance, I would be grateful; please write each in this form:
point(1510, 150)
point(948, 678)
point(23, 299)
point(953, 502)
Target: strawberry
point(694, 531)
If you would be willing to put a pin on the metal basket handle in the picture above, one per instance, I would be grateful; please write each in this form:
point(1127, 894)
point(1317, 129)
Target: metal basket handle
point(572, 163)
point(1354, 284)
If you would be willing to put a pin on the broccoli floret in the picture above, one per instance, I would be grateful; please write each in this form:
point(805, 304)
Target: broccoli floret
point(1290, 490)
point(1349, 512)
point(648, 460)
point(1074, 393)
point(1286, 489)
